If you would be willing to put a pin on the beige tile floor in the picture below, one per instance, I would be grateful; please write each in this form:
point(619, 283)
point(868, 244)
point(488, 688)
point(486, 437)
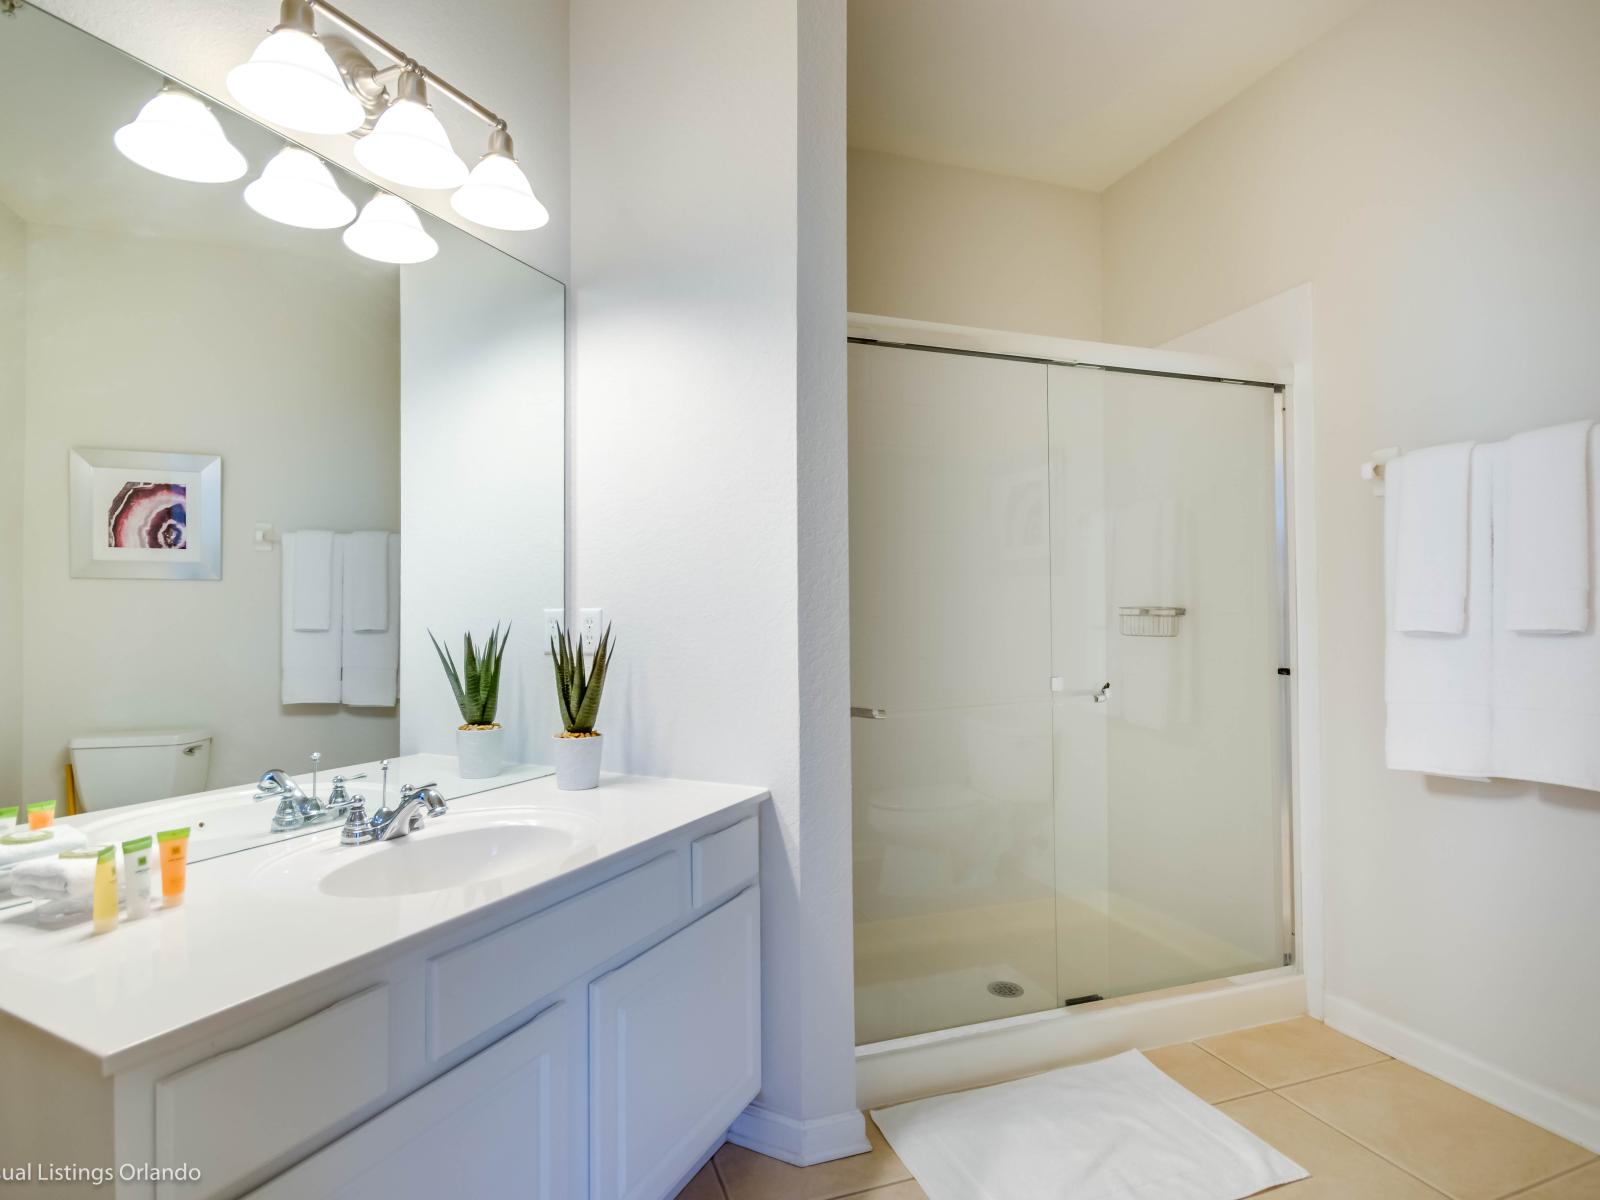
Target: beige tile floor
point(1365, 1126)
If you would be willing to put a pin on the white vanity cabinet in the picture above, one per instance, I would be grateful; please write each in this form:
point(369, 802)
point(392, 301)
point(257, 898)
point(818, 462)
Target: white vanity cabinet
point(494, 1126)
point(592, 1038)
point(675, 1052)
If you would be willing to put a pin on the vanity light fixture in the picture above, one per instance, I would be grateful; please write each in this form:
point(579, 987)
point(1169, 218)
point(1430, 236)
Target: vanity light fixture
point(321, 83)
point(388, 231)
point(497, 193)
point(293, 81)
point(408, 145)
point(298, 189)
point(177, 134)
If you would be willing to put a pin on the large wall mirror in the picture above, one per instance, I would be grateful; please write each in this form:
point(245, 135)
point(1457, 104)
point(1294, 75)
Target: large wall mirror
point(247, 470)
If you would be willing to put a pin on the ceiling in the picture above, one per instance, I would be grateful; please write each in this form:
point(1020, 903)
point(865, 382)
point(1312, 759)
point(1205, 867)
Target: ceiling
point(1073, 92)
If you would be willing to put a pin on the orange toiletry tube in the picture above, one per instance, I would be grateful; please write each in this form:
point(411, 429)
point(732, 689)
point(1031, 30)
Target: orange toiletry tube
point(41, 813)
point(174, 848)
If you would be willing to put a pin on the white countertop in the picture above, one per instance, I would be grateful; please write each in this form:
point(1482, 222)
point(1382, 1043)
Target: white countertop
point(234, 943)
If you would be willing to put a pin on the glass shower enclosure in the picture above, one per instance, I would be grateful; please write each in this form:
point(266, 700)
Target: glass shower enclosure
point(1068, 648)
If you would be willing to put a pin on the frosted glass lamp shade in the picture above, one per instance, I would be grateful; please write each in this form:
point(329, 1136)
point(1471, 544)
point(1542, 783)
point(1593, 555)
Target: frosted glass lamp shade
point(291, 80)
point(409, 146)
point(298, 189)
point(498, 194)
point(175, 134)
point(388, 231)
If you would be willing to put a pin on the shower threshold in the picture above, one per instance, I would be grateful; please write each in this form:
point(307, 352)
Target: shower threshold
point(947, 1060)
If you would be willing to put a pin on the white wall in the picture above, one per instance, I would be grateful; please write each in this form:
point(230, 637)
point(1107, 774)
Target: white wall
point(482, 393)
point(13, 418)
point(709, 417)
point(932, 242)
point(509, 54)
point(286, 367)
point(1430, 169)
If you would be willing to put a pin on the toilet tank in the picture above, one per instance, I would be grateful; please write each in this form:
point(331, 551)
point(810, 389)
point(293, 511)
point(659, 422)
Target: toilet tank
point(113, 769)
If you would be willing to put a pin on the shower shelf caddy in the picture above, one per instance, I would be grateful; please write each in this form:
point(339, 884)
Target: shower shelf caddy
point(1146, 621)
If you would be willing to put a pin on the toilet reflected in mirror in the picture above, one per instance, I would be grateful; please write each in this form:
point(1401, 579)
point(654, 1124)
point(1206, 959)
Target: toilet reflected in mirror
point(110, 770)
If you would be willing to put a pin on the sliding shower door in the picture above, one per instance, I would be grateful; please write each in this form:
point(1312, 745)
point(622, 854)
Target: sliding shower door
point(950, 687)
point(1167, 637)
point(1069, 733)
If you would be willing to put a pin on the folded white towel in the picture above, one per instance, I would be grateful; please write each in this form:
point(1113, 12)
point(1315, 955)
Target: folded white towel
point(1546, 533)
point(1431, 558)
point(309, 563)
point(1439, 687)
point(371, 660)
point(1547, 689)
point(55, 878)
point(310, 658)
point(366, 581)
point(23, 843)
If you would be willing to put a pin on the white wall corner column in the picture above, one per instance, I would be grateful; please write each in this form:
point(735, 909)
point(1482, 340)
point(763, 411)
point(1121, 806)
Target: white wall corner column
point(817, 1120)
point(709, 487)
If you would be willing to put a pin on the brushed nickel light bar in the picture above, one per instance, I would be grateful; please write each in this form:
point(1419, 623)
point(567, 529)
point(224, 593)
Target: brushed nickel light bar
point(325, 83)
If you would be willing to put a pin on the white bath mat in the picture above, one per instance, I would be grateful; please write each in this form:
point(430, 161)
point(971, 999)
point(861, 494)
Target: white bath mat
point(1118, 1129)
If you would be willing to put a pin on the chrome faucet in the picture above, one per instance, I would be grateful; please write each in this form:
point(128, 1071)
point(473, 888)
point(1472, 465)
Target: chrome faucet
point(294, 806)
point(387, 824)
point(297, 809)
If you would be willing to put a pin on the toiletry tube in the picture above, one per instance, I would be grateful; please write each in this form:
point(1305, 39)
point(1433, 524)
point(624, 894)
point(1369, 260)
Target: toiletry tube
point(41, 813)
point(174, 846)
point(136, 855)
point(8, 816)
point(105, 890)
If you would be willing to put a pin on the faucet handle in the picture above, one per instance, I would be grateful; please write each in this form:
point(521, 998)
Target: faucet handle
point(288, 816)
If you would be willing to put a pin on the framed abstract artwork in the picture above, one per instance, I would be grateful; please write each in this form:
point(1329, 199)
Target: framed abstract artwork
point(137, 514)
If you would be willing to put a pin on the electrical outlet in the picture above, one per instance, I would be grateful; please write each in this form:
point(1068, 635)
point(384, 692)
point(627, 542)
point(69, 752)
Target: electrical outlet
point(553, 617)
point(590, 623)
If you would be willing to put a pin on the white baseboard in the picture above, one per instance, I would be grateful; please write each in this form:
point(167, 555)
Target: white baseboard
point(1563, 1115)
point(951, 1060)
point(802, 1143)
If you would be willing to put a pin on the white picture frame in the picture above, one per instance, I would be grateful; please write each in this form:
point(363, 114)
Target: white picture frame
point(142, 514)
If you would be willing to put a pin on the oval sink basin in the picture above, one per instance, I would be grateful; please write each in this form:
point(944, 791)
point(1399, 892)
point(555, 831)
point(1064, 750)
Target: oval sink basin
point(452, 851)
point(445, 860)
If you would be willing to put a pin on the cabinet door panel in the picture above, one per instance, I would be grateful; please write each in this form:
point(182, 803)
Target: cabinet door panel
point(275, 1103)
point(675, 1052)
point(494, 1126)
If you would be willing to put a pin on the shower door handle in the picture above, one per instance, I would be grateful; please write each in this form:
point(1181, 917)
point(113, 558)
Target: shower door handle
point(1098, 695)
point(867, 714)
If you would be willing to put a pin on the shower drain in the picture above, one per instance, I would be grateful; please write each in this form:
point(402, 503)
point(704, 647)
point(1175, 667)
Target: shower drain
point(1005, 989)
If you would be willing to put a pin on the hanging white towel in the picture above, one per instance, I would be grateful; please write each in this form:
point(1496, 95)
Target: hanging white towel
point(1439, 687)
point(1547, 541)
point(366, 581)
point(1547, 689)
point(312, 598)
point(371, 675)
point(1431, 558)
point(310, 658)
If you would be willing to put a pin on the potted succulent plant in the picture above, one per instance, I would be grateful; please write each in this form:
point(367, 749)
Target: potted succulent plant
point(480, 742)
point(578, 747)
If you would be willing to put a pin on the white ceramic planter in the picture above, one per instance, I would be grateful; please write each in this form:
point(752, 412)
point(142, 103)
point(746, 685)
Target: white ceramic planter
point(578, 762)
point(480, 753)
